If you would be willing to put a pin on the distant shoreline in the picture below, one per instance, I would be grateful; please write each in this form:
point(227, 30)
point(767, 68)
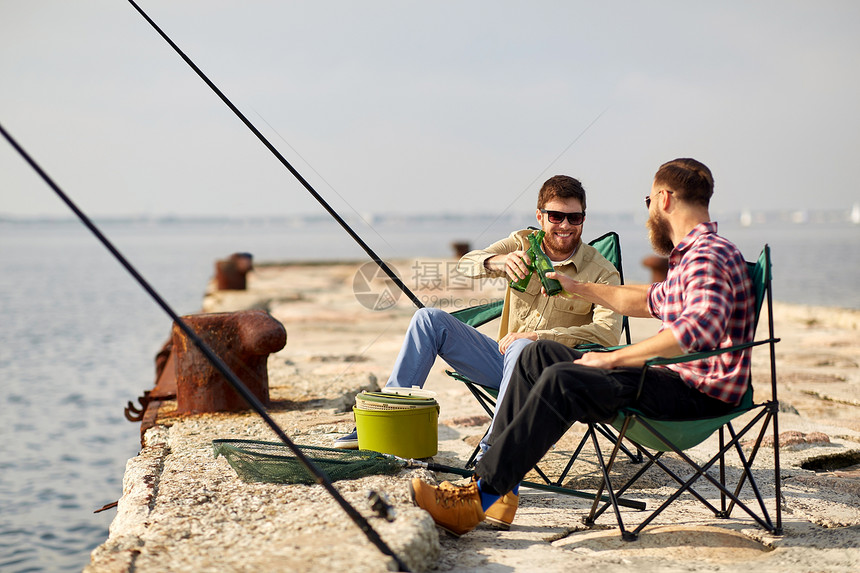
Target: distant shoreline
point(820, 257)
point(740, 217)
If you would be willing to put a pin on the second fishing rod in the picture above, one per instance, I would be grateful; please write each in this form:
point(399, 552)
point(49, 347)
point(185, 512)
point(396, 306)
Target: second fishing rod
point(374, 257)
point(253, 402)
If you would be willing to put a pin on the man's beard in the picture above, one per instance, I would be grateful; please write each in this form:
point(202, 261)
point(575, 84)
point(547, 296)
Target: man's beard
point(559, 246)
point(660, 235)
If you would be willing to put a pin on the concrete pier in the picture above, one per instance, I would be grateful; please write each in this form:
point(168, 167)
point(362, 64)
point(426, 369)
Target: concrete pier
point(184, 510)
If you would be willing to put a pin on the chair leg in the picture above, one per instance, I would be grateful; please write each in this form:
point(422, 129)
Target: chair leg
point(686, 485)
point(610, 435)
point(774, 406)
point(771, 411)
point(620, 491)
point(747, 465)
point(654, 459)
point(544, 477)
point(473, 459)
point(701, 471)
point(607, 482)
point(573, 458)
point(487, 403)
point(722, 513)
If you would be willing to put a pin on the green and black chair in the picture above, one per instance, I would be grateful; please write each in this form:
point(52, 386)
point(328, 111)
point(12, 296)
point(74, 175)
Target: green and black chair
point(656, 437)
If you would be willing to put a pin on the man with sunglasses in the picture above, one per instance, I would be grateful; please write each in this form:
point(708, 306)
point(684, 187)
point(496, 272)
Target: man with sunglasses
point(706, 302)
point(526, 316)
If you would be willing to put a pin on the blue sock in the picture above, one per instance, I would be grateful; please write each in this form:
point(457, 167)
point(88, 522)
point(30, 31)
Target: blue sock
point(487, 499)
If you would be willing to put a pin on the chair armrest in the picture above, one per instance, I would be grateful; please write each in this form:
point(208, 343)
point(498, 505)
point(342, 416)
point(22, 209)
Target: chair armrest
point(597, 348)
point(480, 314)
point(659, 361)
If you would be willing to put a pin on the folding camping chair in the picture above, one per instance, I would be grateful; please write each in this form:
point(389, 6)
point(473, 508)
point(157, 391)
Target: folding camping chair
point(678, 435)
point(607, 245)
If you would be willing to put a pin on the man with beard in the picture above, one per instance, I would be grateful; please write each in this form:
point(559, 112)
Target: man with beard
point(705, 302)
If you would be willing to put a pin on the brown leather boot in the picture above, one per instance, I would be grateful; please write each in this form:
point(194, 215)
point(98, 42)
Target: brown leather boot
point(501, 513)
point(455, 509)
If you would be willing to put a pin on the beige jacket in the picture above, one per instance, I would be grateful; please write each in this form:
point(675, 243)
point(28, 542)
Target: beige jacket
point(565, 320)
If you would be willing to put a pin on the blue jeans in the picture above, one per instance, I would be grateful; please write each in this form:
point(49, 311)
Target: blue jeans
point(434, 332)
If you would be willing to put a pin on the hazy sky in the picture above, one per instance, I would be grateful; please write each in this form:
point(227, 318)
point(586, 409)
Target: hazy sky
point(436, 106)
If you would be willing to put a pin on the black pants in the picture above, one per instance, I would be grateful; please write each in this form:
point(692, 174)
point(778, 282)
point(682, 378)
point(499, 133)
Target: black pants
point(548, 393)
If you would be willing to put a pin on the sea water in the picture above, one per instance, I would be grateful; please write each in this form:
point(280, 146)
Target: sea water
point(78, 336)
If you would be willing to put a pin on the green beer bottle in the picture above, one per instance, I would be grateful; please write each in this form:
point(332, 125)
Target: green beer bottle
point(543, 265)
point(540, 263)
point(523, 283)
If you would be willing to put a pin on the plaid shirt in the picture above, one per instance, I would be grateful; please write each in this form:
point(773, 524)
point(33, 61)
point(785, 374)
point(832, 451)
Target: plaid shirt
point(707, 302)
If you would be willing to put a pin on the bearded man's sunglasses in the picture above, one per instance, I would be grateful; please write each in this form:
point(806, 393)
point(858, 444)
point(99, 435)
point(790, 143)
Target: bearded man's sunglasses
point(556, 217)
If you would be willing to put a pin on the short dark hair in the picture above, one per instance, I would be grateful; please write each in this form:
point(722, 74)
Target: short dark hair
point(561, 187)
point(690, 180)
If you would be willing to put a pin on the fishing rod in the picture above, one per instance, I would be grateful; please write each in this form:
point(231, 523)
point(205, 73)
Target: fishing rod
point(255, 404)
point(382, 265)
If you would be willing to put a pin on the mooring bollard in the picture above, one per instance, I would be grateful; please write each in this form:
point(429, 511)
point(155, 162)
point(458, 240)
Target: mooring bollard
point(231, 273)
point(243, 340)
point(659, 267)
point(460, 248)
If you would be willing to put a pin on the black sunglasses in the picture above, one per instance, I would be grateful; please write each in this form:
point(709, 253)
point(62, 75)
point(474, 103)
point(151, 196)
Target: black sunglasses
point(556, 217)
point(648, 197)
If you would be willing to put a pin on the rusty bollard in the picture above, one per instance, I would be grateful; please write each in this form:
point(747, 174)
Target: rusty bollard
point(460, 248)
point(659, 267)
point(243, 340)
point(230, 273)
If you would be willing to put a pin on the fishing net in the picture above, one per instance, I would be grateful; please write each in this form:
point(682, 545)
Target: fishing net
point(274, 462)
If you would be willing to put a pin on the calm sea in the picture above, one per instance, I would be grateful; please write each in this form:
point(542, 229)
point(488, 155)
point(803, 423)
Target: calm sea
point(78, 337)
